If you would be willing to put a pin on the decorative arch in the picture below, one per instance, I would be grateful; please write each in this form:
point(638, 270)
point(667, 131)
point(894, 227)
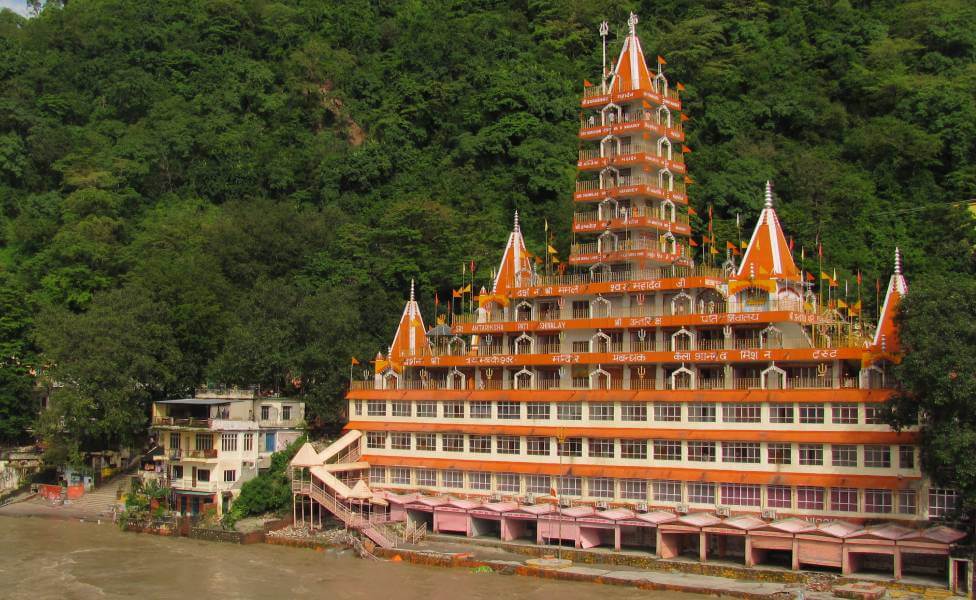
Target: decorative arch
point(611, 113)
point(683, 378)
point(660, 84)
point(668, 243)
point(664, 116)
point(605, 205)
point(614, 148)
point(599, 379)
point(600, 272)
point(682, 340)
point(600, 342)
point(523, 380)
point(663, 142)
point(606, 242)
point(456, 346)
point(771, 337)
point(668, 211)
point(456, 380)
point(710, 302)
point(523, 311)
point(524, 344)
point(599, 307)
point(681, 303)
point(391, 380)
point(772, 378)
point(609, 178)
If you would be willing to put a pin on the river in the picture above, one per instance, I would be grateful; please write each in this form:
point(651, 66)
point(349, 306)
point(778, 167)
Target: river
point(44, 558)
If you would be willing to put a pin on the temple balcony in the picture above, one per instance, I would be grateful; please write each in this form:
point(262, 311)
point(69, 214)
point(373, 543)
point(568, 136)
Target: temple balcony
point(638, 122)
point(597, 97)
point(640, 185)
point(652, 250)
point(594, 159)
point(634, 218)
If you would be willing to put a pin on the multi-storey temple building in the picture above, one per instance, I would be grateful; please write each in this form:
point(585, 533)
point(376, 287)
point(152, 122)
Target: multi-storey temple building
point(640, 399)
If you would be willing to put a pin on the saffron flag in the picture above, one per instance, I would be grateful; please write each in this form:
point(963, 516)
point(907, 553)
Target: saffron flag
point(841, 303)
point(730, 246)
point(455, 293)
point(645, 104)
point(354, 361)
point(810, 277)
point(660, 60)
point(859, 277)
point(686, 149)
point(586, 83)
point(688, 179)
point(692, 242)
point(681, 87)
point(713, 250)
point(437, 301)
point(692, 212)
point(684, 117)
point(555, 260)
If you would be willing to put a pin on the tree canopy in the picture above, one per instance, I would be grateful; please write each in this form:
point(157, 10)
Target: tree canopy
point(241, 192)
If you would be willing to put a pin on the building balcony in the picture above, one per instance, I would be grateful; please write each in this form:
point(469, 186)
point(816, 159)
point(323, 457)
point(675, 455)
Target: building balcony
point(177, 422)
point(279, 423)
point(596, 97)
point(653, 250)
point(592, 159)
point(636, 123)
point(633, 186)
point(634, 218)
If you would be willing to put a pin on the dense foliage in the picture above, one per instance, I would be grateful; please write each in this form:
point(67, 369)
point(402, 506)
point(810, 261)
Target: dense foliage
point(270, 491)
point(937, 380)
point(240, 192)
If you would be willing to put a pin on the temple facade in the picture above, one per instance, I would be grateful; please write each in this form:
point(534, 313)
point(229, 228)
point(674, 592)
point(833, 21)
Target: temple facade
point(642, 398)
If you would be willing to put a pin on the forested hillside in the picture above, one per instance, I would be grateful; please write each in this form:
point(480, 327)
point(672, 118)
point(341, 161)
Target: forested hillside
point(241, 192)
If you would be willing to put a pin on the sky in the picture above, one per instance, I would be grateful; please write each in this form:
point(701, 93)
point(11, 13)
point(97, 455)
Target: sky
point(18, 6)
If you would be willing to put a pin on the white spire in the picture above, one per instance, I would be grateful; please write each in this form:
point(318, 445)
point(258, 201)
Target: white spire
point(632, 24)
point(516, 221)
point(769, 194)
point(411, 290)
point(897, 261)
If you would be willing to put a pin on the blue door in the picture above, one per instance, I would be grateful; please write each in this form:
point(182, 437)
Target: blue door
point(269, 442)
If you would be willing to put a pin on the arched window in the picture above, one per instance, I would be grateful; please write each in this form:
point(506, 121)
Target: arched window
point(664, 116)
point(524, 344)
point(607, 242)
point(456, 380)
point(599, 379)
point(609, 178)
point(611, 113)
point(610, 146)
point(668, 243)
point(455, 346)
point(607, 209)
point(600, 342)
point(600, 272)
point(681, 304)
point(524, 380)
point(391, 381)
point(771, 337)
point(664, 148)
point(772, 378)
point(523, 312)
point(599, 307)
point(872, 378)
point(683, 379)
point(665, 180)
point(682, 340)
point(660, 84)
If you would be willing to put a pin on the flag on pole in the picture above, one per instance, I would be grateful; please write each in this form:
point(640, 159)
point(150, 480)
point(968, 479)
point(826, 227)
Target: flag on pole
point(692, 242)
point(810, 277)
point(744, 245)
point(456, 293)
point(684, 117)
point(681, 87)
point(587, 83)
point(692, 212)
point(686, 149)
point(859, 277)
point(472, 268)
point(354, 361)
point(437, 301)
point(466, 289)
point(660, 60)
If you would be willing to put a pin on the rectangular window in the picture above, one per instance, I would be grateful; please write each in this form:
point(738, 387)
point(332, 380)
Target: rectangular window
point(942, 502)
point(203, 475)
point(874, 414)
point(203, 441)
point(844, 413)
point(781, 413)
point(509, 483)
point(479, 480)
point(427, 477)
point(907, 502)
point(400, 476)
point(779, 453)
point(537, 484)
point(811, 454)
point(600, 487)
point(668, 412)
point(452, 479)
point(509, 410)
point(248, 442)
point(843, 455)
point(666, 490)
point(509, 444)
point(809, 498)
point(740, 452)
point(374, 408)
point(454, 410)
point(601, 411)
point(452, 442)
point(878, 457)
point(878, 501)
point(177, 472)
point(601, 448)
point(377, 475)
point(230, 475)
point(701, 493)
point(480, 410)
point(537, 446)
point(811, 413)
point(376, 440)
point(427, 409)
point(228, 442)
point(174, 441)
point(906, 457)
point(570, 486)
point(569, 411)
point(740, 494)
point(400, 408)
point(359, 408)
point(538, 410)
point(701, 451)
point(779, 496)
point(570, 447)
point(633, 449)
point(742, 413)
point(633, 412)
point(479, 444)
point(426, 442)
point(843, 499)
point(265, 413)
point(286, 412)
point(400, 441)
point(633, 489)
point(702, 412)
point(667, 450)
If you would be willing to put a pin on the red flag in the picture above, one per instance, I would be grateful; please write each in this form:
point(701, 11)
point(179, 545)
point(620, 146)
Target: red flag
point(859, 277)
point(681, 87)
point(810, 277)
point(877, 285)
point(791, 243)
point(686, 149)
point(692, 242)
point(437, 301)
point(819, 248)
point(472, 267)
point(586, 83)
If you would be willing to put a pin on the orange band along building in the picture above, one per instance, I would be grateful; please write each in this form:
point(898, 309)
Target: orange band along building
point(638, 399)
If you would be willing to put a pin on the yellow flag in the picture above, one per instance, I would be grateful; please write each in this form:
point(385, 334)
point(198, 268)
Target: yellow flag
point(841, 304)
point(713, 250)
point(555, 260)
point(551, 249)
point(744, 245)
point(466, 289)
point(824, 276)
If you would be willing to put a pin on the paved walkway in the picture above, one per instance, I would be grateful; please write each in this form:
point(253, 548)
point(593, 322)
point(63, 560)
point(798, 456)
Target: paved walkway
point(94, 505)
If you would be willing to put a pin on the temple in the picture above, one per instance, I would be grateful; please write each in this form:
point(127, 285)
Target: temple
point(642, 399)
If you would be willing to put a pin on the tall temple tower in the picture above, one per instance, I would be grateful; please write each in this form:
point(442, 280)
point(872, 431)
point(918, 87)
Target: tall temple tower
point(640, 399)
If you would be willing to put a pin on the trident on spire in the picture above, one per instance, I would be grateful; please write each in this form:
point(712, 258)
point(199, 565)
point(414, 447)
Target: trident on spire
point(604, 32)
point(897, 261)
point(632, 24)
point(769, 194)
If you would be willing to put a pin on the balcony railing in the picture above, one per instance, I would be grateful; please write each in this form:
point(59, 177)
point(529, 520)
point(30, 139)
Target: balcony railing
point(651, 116)
point(182, 422)
point(596, 91)
point(590, 153)
point(659, 244)
point(632, 214)
point(586, 185)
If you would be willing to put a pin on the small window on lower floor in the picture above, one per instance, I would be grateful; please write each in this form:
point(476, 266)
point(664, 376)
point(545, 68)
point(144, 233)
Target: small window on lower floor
point(230, 475)
point(203, 475)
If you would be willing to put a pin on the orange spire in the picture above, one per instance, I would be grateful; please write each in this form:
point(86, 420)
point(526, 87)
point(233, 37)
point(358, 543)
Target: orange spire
point(886, 337)
point(411, 335)
point(768, 253)
point(631, 72)
point(515, 268)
